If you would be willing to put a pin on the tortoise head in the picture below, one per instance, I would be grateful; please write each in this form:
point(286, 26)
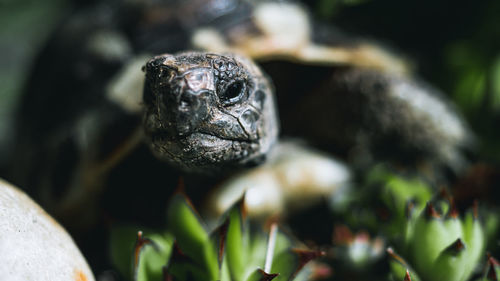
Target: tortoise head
point(205, 112)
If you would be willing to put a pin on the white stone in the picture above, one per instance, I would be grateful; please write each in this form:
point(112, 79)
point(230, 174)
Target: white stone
point(33, 246)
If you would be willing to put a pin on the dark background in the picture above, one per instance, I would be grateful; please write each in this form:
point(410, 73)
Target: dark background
point(454, 45)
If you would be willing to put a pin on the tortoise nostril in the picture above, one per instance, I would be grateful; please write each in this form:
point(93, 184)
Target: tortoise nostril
point(188, 102)
point(185, 103)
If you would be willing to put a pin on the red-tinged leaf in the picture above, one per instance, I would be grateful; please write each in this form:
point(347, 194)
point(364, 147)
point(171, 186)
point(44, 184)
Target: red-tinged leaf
point(430, 212)
point(453, 211)
point(450, 265)
point(475, 209)
point(445, 195)
point(407, 276)
point(410, 209)
point(455, 248)
point(396, 257)
point(305, 256)
point(261, 275)
point(140, 243)
point(150, 256)
point(399, 267)
point(491, 270)
point(288, 263)
point(181, 187)
point(219, 238)
point(342, 235)
point(139, 246)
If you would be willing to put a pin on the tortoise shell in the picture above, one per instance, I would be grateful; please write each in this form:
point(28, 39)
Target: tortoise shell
point(80, 130)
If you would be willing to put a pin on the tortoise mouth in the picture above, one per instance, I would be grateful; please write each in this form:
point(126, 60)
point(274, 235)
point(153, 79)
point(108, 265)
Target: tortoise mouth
point(201, 149)
point(165, 135)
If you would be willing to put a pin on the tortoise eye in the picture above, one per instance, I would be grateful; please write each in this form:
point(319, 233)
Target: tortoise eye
point(233, 93)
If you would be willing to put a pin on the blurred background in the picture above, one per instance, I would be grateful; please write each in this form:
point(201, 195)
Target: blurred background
point(453, 45)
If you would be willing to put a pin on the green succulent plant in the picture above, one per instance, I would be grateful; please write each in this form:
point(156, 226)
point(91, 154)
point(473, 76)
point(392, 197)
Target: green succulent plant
point(492, 272)
point(438, 244)
point(358, 251)
point(235, 251)
point(435, 243)
point(379, 202)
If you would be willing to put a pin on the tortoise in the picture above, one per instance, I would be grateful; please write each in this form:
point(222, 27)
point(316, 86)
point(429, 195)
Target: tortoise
point(206, 107)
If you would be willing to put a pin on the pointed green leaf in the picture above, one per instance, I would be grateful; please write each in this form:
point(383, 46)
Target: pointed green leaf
point(257, 248)
point(492, 272)
point(260, 275)
point(182, 267)
point(290, 261)
point(286, 263)
point(403, 190)
point(191, 236)
point(453, 227)
point(407, 276)
point(399, 267)
point(236, 246)
point(474, 237)
point(410, 222)
point(398, 190)
point(230, 253)
point(283, 242)
point(122, 241)
point(151, 255)
point(450, 265)
point(225, 274)
point(218, 240)
point(429, 239)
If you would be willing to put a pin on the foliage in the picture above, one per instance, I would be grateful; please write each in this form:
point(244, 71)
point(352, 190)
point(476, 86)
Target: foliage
point(429, 240)
point(378, 203)
point(439, 245)
point(233, 251)
point(492, 272)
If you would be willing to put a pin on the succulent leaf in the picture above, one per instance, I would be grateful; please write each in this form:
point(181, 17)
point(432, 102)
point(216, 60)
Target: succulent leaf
point(260, 275)
point(122, 239)
point(492, 272)
point(474, 236)
point(398, 190)
point(191, 236)
point(233, 252)
point(450, 265)
point(407, 276)
point(442, 248)
point(152, 257)
point(150, 253)
point(399, 267)
point(236, 244)
point(287, 263)
point(182, 267)
point(429, 238)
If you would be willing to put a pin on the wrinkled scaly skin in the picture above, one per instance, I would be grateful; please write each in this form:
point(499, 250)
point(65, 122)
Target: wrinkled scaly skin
point(204, 112)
